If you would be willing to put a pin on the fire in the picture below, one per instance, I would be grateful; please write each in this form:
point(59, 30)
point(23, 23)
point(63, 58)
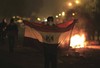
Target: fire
point(77, 41)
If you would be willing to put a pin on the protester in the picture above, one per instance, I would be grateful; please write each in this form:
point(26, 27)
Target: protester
point(50, 42)
point(3, 26)
point(50, 21)
point(50, 33)
point(50, 48)
point(12, 33)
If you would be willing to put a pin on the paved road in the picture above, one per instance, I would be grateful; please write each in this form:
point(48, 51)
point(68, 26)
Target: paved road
point(32, 57)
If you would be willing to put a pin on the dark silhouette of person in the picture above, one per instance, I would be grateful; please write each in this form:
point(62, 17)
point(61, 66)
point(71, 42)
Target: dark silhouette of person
point(50, 54)
point(3, 26)
point(12, 33)
point(50, 48)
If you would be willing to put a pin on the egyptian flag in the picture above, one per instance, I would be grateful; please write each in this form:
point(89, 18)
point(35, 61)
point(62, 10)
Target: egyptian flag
point(59, 33)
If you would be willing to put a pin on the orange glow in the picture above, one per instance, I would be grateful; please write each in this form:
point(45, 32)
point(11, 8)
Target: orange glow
point(77, 41)
point(70, 4)
point(77, 2)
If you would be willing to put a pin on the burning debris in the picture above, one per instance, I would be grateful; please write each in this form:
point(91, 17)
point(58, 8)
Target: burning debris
point(78, 41)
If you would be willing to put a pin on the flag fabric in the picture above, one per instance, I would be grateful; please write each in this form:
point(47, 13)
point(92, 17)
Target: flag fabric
point(49, 34)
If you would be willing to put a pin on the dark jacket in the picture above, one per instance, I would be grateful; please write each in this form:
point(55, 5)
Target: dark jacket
point(12, 29)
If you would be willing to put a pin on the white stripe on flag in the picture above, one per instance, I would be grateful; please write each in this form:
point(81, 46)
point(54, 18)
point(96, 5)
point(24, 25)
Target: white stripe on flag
point(32, 33)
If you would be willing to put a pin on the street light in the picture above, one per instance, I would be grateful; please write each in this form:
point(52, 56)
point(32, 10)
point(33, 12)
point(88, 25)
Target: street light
point(74, 3)
point(59, 14)
point(38, 19)
point(56, 16)
point(70, 4)
point(63, 14)
point(73, 14)
point(77, 1)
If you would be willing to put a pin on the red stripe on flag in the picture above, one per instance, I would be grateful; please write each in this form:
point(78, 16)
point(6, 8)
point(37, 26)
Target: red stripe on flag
point(66, 24)
point(57, 28)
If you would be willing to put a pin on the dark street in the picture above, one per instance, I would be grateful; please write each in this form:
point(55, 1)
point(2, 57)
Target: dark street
point(32, 57)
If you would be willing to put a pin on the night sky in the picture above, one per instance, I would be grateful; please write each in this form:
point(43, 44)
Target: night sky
point(19, 7)
point(27, 7)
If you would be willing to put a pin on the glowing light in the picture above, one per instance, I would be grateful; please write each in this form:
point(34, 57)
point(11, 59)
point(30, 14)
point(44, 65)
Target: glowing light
point(77, 41)
point(70, 4)
point(17, 16)
point(73, 14)
point(38, 19)
point(14, 17)
point(56, 16)
point(20, 21)
point(59, 14)
point(77, 2)
point(45, 20)
point(63, 13)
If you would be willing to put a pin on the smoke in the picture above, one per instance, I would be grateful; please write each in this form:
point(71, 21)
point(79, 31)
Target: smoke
point(50, 7)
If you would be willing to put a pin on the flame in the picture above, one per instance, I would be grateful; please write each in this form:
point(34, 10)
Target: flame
point(77, 41)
